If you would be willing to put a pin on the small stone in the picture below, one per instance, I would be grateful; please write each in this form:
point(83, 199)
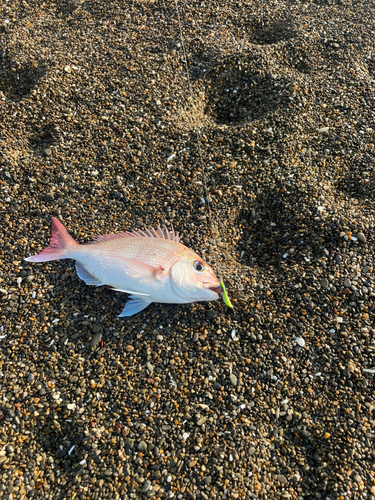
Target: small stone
point(295, 478)
point(361, 237)
point(211, 314)
point(317, 457)
point(49, 197)
point(216, 386)
point(129, 348)
point(150, 368)
point(47, 152)
point(282, 479)
point(300, 341)
point(347, 283)
point(358, 479)
point(233, 379)
point(305, 433)
point(96, 338)
point(251, 451)
point(192, 463)
point(142, 446)
point(30, 377)
point(195, 337)
point(116, 195)
point(146, 486)
point(338, 258)
point(324, 283)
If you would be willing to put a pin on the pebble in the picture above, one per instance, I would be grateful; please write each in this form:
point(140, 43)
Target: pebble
point(347, 283)
point(95, 339)
point(233, 380)
point(282, 479)
point(300, 341)
point(146, 486)
point(361, 237)
point(324, 283)
point(142, 446)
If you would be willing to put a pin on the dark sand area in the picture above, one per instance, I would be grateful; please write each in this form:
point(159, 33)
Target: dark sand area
point(274, 400)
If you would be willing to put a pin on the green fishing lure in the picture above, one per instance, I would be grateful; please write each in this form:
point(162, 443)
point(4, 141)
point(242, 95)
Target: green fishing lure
point(225, 295)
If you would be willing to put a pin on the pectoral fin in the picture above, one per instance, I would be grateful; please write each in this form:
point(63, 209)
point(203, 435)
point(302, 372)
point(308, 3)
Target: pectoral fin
point(134, 305)
point(142, 267)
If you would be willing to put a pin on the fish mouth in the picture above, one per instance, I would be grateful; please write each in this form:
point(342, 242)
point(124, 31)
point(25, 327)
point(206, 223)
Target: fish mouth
point(215, 288)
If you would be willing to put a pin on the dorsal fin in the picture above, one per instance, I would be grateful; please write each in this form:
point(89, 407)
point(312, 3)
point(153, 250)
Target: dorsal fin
point(162, 233)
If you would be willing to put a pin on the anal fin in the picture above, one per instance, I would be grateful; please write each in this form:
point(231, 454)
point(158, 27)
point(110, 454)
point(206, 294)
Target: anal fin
point(85, 276)
point(134, 305)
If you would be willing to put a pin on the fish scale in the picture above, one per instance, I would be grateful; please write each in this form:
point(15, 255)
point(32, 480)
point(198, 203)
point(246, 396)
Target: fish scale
point(150, 252)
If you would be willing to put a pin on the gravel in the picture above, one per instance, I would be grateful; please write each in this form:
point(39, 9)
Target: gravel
point(190, 401)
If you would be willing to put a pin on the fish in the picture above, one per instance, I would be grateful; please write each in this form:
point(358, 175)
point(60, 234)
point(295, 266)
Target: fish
point(150, 265)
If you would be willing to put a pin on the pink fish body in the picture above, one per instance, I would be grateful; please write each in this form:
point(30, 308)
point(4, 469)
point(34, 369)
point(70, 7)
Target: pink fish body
point(151, 266)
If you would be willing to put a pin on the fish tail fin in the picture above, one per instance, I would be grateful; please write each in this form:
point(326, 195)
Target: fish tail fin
point(60, 245)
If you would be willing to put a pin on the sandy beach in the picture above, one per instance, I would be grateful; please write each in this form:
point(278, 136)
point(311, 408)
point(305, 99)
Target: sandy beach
point(98, 128)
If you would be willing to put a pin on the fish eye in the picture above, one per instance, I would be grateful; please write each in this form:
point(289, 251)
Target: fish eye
point(199, 266)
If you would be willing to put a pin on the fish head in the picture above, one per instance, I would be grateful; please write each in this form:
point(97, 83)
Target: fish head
point(194, 280)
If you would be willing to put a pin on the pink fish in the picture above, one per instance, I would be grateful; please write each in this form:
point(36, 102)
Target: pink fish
point(152, 266)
